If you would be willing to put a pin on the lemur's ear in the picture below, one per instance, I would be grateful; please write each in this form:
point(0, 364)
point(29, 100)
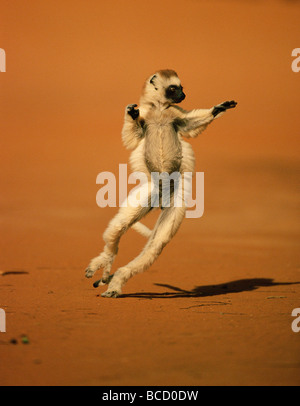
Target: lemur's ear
point(152, 81)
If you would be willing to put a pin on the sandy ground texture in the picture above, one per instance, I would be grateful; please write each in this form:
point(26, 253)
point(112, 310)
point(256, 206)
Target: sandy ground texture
point(215, 308)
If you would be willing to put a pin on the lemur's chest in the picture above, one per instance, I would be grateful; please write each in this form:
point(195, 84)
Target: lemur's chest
point(158, 120)
point(163, 150)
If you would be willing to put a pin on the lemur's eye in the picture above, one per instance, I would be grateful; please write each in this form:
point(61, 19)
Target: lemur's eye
point(172, 88)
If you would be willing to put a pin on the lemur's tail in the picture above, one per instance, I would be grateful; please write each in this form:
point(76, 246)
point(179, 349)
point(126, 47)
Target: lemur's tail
point(142, 229)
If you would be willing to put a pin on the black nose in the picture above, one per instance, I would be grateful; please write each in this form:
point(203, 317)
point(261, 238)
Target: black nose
point(181, 97)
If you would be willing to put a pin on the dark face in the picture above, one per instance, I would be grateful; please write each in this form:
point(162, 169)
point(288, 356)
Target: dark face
point(175, 93)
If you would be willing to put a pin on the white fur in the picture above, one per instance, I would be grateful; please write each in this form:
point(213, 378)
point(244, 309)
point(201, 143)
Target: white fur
point(159, 114)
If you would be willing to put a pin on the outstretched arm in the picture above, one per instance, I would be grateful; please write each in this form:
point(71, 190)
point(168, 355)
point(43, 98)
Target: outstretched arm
point(223, 107)
point(192, 123)
point(133, 128)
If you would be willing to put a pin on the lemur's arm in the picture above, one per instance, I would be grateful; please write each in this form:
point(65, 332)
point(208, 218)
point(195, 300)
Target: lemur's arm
point(133, 128)
point(191, 123)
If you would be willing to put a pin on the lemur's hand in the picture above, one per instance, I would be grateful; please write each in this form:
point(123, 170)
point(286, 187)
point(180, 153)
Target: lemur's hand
point(223, 106)
point(132, 111)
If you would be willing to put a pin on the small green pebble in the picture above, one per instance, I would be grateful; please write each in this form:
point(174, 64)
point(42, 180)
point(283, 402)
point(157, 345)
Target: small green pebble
point(25, 340)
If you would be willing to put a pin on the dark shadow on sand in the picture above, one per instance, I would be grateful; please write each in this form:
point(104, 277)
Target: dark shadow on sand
point(241, 285)
point(21, 272)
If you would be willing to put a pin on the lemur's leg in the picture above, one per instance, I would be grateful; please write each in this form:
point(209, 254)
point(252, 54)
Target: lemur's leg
point(123, 220)
point(165, 228)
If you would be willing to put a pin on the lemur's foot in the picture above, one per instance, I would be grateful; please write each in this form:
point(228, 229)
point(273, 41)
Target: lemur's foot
point(132, 111)
point(114, 288)
point(103, 281)
point(104, 261)
point(111, 293)
point(89, 272)
point(223, 107)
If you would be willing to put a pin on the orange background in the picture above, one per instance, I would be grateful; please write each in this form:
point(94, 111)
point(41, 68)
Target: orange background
point(72, 67)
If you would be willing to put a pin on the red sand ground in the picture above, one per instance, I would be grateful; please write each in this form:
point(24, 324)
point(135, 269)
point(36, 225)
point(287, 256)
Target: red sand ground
point(215, 309)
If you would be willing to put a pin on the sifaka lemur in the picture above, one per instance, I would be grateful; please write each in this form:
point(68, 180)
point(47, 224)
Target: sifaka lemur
point(154, 132)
